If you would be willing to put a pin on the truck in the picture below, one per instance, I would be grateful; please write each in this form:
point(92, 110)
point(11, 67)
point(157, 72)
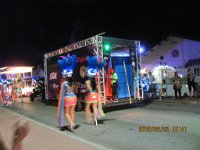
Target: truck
point(119, 54)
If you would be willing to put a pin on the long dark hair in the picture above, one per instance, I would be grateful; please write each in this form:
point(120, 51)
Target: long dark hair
point(70, 81)
point(93, 83)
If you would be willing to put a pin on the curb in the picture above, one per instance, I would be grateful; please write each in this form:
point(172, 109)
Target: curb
point(177, 101)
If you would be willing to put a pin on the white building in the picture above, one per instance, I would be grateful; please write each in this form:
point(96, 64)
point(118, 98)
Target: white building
point(176, 53)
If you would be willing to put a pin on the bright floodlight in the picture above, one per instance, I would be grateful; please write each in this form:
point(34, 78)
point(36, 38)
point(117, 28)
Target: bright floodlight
point(141, 50)
point(107, 47)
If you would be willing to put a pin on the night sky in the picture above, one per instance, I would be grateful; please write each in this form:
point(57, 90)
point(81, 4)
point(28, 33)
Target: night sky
point(30, 28)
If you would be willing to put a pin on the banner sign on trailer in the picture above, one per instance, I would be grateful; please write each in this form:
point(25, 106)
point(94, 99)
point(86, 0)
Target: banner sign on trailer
point(54, 74)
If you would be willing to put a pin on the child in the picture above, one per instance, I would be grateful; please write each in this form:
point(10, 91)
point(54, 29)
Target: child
point(163, 89)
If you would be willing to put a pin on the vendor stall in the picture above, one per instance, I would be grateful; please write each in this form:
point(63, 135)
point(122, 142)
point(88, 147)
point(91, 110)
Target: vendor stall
point(15, 81)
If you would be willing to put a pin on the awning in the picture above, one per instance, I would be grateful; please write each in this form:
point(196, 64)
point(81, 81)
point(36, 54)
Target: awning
point(13, 70)
point(192, 62)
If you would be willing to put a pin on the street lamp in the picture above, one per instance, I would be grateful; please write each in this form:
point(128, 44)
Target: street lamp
point(141, 50)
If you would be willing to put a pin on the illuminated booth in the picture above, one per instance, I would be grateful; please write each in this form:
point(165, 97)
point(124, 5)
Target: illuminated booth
point(20, 77)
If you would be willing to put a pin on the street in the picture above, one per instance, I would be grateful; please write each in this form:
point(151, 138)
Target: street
point(153, 126)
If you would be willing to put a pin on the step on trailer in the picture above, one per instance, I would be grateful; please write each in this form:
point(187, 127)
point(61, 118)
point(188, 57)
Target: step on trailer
point(123, 57)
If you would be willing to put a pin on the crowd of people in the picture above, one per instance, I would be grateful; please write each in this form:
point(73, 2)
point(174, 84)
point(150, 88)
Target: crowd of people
point(192, 85)
point(10, 89)
point(149, 85)
point(90, 93)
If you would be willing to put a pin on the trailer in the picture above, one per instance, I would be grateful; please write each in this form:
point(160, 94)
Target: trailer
point(123, 57)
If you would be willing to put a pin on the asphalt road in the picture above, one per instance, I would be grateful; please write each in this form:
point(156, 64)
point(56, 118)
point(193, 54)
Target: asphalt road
point(137, 127)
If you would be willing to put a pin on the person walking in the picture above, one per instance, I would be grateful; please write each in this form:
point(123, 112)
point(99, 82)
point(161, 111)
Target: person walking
point(92, 97)
point(191, 83)
point(67, 99)
point(177, 85)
